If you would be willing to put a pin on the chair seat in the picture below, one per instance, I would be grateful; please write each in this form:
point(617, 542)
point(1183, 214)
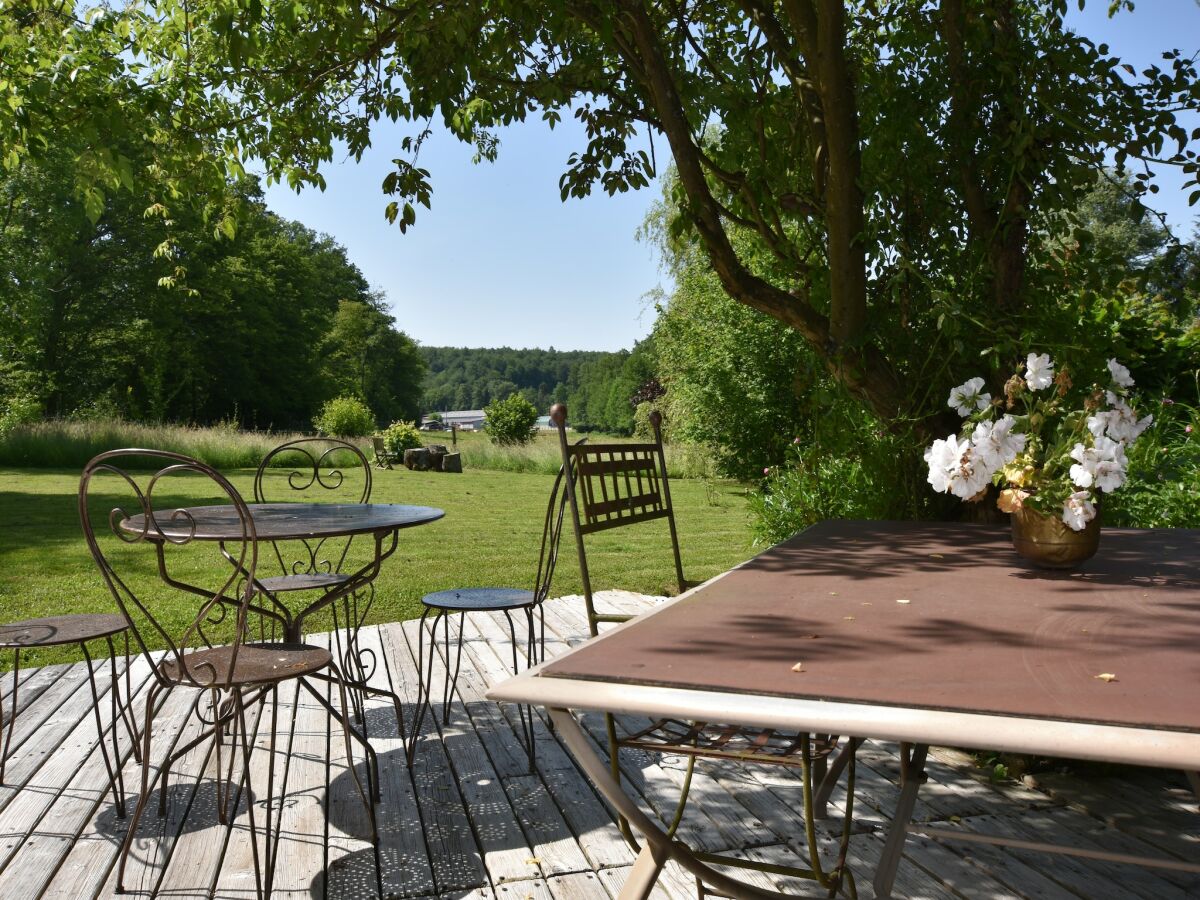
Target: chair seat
point(467, 599)
point(55, 630)
point(255, 664)
point(278, 584)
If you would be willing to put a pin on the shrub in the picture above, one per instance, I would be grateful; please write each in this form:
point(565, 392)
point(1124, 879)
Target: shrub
point(401, 436)
point(1163, 490)
point(511, 421)
point(21, 409)
point(345, 417)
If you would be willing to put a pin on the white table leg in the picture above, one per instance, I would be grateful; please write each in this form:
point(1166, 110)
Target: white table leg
point(885, 874)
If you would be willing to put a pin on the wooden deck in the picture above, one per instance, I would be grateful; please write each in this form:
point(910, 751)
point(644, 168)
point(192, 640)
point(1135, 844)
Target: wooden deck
point(471, 821)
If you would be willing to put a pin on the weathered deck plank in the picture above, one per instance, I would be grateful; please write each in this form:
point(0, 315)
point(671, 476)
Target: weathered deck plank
point(472, 822)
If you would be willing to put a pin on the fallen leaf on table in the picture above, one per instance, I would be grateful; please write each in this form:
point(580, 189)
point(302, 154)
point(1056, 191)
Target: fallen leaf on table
point(1106, 677)
point(798, 667)
point(811, 637)
point(848, 618)
point(904, 601)
point(936, 556)
point(833, 593)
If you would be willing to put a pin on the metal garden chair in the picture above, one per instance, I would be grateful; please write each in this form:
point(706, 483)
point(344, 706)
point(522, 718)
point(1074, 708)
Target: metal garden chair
point(332, 470)
point(444, 604)
point(623, 484)
point(233, 673)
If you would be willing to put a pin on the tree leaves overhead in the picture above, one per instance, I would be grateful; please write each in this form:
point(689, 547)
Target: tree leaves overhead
point(902, 162)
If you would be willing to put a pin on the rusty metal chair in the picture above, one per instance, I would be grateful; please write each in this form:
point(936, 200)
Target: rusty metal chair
point(236, 675)
point(444, 604)
point(623, 484)
point(332, 470)
point(80, 629)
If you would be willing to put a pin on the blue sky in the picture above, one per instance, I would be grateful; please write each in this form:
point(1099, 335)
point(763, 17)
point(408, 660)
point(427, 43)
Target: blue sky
point(501, 261)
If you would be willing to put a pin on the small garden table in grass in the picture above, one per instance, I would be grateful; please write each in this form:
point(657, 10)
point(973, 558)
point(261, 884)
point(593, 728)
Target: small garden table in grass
point(921, 633)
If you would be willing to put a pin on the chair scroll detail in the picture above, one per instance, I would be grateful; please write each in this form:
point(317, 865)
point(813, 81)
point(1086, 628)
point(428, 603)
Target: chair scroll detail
point(207, 652)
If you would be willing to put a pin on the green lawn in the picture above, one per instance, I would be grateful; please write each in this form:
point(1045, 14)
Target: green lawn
point(489, 536)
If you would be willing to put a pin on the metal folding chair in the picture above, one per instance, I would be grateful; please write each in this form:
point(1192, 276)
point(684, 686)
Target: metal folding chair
point(624, 484)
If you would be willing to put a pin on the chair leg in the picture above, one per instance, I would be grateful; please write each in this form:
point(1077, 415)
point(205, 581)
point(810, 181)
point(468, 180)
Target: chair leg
point(366, 798)
point(451, 682)
point(368, 750)
point(144, 795)
point(243, 733)
point(424, 677)
point(12, 713)
point(115, 782)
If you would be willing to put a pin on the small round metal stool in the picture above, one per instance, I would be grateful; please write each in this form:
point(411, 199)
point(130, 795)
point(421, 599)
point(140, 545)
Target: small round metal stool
point(77, 629)
point(443, 604)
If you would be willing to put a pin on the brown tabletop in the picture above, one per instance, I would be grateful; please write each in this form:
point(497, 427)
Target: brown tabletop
point(286, 521)
point(934, 616)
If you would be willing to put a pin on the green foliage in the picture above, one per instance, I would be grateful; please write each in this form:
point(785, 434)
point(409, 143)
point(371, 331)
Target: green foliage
point(345, 417)
point(367, 356)
point(511, 421)
point(465, 378)
point(19, 409)
point(261, 337)
point(602, 391)
point(863, 479)
point(1163, 490)
point(401, 436)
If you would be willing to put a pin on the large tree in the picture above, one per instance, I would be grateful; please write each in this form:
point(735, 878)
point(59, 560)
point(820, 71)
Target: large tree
point(901, 161)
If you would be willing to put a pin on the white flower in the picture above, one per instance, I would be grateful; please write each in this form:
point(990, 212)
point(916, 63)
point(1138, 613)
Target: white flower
point(1111, 464)
point(1083, 473)
point(996, 445)
point(1121, 422)
point(1039, 371)
point(968, 397)
point(1102, 466)
point(1078, 510)
point(1120, 374)
point(954, 468)
point(944, 458)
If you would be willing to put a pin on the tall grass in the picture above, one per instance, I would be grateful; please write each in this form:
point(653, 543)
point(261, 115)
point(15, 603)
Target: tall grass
point(66, 444)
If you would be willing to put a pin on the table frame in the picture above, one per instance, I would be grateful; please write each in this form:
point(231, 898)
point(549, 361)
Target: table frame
point(915, 729)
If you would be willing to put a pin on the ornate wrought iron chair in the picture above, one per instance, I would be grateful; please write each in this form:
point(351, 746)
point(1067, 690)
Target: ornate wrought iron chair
point(211, 652)
point(319, 471)
point(624, 484)
point(444, 604)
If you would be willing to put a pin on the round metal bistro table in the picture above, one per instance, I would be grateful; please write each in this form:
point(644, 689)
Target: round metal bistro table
point(308, 522)
point(79, 629)
point(310, 525)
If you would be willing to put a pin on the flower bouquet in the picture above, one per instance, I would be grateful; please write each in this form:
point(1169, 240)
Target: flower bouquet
point(1050, 446)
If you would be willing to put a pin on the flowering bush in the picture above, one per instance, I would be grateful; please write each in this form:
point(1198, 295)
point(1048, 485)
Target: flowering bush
point(1047, 444)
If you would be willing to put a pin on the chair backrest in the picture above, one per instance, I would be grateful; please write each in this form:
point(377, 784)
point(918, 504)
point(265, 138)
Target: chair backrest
point(138, 542)
point(552, 530)
point(615, 485)
point(326, 470)
point(378, 447)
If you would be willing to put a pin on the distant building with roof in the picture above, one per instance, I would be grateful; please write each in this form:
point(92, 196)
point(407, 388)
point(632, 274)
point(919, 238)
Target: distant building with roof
point(465, 419)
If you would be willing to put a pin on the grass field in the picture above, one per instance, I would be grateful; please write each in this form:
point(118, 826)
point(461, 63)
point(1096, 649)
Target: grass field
point(489, 536)
point(67, 444)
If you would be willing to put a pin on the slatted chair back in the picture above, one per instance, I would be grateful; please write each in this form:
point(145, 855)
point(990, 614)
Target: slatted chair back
point(615, 485)
point(316, 470)
point(383, 458)
point(143, 540)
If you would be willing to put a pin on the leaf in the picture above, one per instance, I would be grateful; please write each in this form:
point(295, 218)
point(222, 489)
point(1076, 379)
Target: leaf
point(1106, 677)
point(904, 601)
point(798, 667)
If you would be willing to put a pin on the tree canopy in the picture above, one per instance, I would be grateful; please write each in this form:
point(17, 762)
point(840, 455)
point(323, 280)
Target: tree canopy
point(903, 165)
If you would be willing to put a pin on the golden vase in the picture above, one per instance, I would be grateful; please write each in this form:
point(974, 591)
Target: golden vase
point(1049, 543)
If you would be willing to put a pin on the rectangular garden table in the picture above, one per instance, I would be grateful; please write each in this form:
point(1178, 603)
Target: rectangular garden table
point(922, 633)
